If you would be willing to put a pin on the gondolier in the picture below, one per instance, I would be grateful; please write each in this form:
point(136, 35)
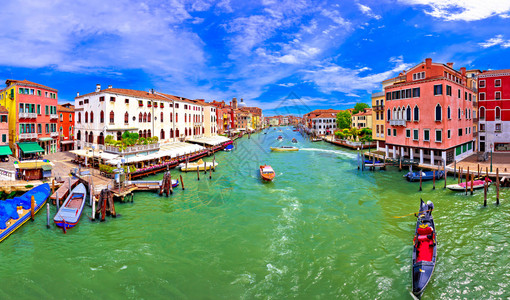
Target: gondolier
point(430, 205)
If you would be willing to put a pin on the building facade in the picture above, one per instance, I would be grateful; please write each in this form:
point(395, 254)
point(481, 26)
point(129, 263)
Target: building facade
point(113, 111)
point(379, 124)
point(494, 110)
point(32, 117)
point(362, 119)
point(66, 126)
point(429, 114)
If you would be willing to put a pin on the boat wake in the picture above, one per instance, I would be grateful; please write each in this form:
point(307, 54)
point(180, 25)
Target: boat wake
point(343, 153)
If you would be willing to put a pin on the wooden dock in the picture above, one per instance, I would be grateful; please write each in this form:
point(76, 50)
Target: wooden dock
point(63, 190)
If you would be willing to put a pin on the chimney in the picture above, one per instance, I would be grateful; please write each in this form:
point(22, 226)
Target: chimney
point(450, 64)
point(463, 71)
point(110, 86)
point(428, 63)
point(78, 94)
point(98, 87)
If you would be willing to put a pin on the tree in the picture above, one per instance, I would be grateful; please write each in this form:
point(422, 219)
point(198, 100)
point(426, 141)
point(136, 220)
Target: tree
point(354, 132)
point(366, 131)
point(343, 120)
point(359, 107)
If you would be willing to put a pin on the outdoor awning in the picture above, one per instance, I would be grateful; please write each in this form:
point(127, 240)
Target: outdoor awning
point(46, 167)
point(44, 139)
point(30, 147)
point(5, 150)
point(66, 142)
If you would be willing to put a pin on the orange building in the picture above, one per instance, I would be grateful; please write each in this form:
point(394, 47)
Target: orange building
point(66, 126)
point(429, 114)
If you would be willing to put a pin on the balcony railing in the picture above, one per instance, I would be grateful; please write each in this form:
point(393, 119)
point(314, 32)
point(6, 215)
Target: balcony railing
point(53, 116)
point(378, 107)
point(54, 134)
point(25, 115)
point(26, 136)
point(398, 122)
point(132, 149)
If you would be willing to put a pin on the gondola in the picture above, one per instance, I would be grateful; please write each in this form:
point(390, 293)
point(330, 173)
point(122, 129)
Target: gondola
point(70, 212)
point(428, 175)
point(424, 250)
point(478, 183)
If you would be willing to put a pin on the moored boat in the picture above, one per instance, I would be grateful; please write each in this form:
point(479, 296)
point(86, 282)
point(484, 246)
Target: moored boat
point(428, 175)
point(477, 184)
point(16, 211)
point(229, 148)
point(267, 173)
point(280, 138)
point(70, 212)
point(316, 139)
point(190, 167)
point(294, 140)
point(175, 183)
point(284, 148)
point(424, 249)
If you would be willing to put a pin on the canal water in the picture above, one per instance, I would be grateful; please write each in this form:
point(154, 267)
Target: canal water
point(321, 230)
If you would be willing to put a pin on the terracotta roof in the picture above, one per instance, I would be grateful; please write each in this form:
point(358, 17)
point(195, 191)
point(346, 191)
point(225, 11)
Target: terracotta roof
point(495, 72)
point(65, 109)
point(366, 112)
point(140, 94)
point(3, 110)
point(325, 116)
point(28, 83)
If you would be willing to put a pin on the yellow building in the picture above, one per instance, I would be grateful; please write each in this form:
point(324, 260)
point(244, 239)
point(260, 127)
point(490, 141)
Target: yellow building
point(378, 129)
point(362, 119)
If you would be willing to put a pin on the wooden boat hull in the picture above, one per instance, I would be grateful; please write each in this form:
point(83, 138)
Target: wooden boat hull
point(41, 194)
point(280, 149)
point(461, 187)
point(69, 214)
point(424, 250)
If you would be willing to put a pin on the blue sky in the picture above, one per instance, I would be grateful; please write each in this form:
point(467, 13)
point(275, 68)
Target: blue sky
point(283, 56)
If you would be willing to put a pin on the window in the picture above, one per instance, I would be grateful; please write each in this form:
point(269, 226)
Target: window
point(112, 99)
point(470, 97)
point(498, 113)
point(70, 117)
point(439, 135)
point(140, 103)
point(46, 110)
point(161, 117)
point(408, 113)
point(394, 132)
point(38, 109)
point(449, 113)
point(79, 117)
point(61, 117)
point(448, 90)
point(481, 84)
point(86, 117)
point(460, 131)
point(438, 89)
point(47, 128)
point(426, 135)
point(465, 96)
point(498, 128)
point(416, 113)
point(126, 101)
point(388, 115)
point(449, 133)
point(112, 117)
point(38, 93)
point(408, 133)
point(497, 83)
point(101, 99)
point(459, 113)
point(482, 96)
point(482, 127)
point(140, 118)
point(481, 112)
point(388, 96)
point(418, 76)
point(101, 117)
point(458, 93)
point(126, 118)
point(438, 113)
point(389, 132)
point(91, 117)
point(498, 95)
point(415, 134)
point(4, 138)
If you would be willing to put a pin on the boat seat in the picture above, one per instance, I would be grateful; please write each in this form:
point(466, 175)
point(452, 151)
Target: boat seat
point(425, 231)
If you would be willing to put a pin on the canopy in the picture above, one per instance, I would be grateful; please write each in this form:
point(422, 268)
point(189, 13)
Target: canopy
point(166, 150)
point(44, 139)
point(97, 154)
point(31, 165)
point(30, 147)
point(5, 150)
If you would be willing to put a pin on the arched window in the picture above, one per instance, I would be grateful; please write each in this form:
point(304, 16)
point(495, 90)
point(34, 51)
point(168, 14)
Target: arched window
point(86, 136)
point(126, 118)
point(395, 114)
point(408, 113)
point(112, 117)
point(161, 117)
point(119, 135)
point(78, 135)
point(100, 139)
point(171, 132)
point(416, 113)
point(71, 117)
point(86, 117)
point(482, 113)
point(79, 117)
point(140, 118)
point(91, 117)
point(185, 118)
point(145, 133)
point(388, 115)
point(149, 118)
point(140, 133)
point(177, 131)
point(91, 137)
point(449, 113)
point(101, 116)
point(145, 117)
point(498, 113)
point(61, 117)
point(149, 132)
point(70, 130)
point(171, 117)
point(439, 115)
point(162, 135)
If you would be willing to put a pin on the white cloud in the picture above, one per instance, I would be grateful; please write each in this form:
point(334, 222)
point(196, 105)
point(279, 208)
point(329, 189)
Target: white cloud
point(334, 78)
point(289, 84)
point(497, 40)
point(464, 10)
point(335, 16)
point(368, 11)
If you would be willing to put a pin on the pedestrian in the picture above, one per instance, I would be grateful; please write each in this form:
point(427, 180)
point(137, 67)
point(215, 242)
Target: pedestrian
point(430, 205)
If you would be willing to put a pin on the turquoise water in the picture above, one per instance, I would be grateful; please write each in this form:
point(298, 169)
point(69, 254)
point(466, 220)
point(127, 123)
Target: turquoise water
point(321, 230)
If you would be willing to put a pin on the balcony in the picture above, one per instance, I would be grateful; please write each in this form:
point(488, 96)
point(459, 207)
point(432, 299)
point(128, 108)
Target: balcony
point(398, 122)
point(378, 107)
point(53, 116)
point(133, 149)
point(54, 134)
point(27, 115)
point(27, 136)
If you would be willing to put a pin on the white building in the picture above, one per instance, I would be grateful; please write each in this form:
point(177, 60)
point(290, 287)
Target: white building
point(323, 124)
point(113, 111)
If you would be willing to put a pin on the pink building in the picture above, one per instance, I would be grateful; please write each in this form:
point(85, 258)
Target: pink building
point(429, 114)
point(494, 110)
point(4, 134)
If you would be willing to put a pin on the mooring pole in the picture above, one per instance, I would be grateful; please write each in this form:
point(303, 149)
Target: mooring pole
point(485, 192)
point(433, 179)
point(472, 181)
point(47, 215)
point(198, 173)
point(182, 182)
point(497, 186)
point(420, 180)
point(32, 207)
point(467, 180)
